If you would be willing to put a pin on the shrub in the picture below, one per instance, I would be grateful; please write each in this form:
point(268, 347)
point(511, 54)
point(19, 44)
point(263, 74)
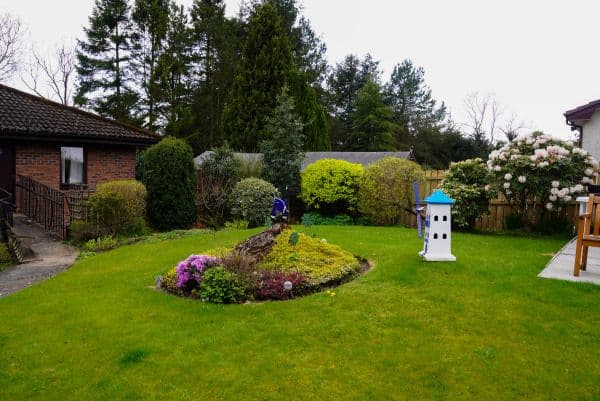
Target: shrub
point(331, 186)
point(465, 183)
point(117, 208)
point(221, 286)
point(319, 262)
point(316, 219)
point(217, 176)
point(100, 244)
point(168, 282)
point(170, 179)
point(81, 231)
point(6, 257)
point(252, 200)
point(538, 168)
point(386, 189)
point(190, 272)
point(271, 285)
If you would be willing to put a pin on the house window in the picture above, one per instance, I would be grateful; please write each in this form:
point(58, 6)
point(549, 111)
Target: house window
point(72, 166)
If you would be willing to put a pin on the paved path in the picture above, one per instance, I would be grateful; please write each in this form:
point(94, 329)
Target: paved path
point(50, 258)
point(561, 266)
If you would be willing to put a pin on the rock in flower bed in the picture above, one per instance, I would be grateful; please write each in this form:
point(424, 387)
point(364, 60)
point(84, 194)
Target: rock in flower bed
point(277, 264)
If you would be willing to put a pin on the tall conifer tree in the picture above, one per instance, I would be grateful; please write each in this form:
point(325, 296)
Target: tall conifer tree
point(103, 63)
point(265, 66)
point(150, 24)
point(373, 125)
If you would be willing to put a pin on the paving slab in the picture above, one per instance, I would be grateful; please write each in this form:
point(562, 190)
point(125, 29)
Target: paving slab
point(49, 258)
point(561, 265)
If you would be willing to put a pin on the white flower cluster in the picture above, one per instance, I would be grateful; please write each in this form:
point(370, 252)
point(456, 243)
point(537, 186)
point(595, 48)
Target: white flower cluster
point(527, 158)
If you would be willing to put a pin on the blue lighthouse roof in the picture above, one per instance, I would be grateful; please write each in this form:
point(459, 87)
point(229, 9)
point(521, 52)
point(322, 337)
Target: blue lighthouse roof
point(438, 197)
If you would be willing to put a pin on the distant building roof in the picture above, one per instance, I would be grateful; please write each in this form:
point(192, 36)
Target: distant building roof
point(582, 113)
point(364, 158)
point(29, 117)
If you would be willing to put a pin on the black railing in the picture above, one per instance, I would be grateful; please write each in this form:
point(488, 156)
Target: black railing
point(7, 207)
point(42, 204)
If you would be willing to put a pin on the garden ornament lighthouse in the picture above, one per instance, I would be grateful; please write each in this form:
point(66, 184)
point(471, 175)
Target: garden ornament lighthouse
point(438, 228)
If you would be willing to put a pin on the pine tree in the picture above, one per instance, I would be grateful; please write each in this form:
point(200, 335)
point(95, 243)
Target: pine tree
point(373, 125)
point(283, 152)
point(411, 100)
point(311, 112)
point(344, 83)
point(172, 75)
point(215, 44)
point(103, 63)
point(150, 24)
point(265, 66)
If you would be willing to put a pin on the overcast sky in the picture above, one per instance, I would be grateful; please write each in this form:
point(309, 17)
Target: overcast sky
point(540, 58)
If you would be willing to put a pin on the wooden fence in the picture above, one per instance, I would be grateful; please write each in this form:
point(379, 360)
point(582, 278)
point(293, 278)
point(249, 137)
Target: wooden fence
point(494, 220)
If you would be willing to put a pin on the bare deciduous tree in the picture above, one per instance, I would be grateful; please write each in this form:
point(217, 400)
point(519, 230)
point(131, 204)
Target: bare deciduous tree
point(483, 113)
point(11, 35)
point(57, 75)
point(511, 127)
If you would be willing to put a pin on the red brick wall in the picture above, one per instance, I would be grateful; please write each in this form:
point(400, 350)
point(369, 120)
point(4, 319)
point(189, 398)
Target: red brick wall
point(40, 162)
point(104, 163)
point(109, 163)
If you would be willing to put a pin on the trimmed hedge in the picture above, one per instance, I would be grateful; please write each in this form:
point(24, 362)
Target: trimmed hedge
point(116, 208)
point(331, 186)
point(251, 200)
point(170, 178)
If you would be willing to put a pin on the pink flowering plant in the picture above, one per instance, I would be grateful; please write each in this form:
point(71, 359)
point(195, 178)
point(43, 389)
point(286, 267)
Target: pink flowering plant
point(191, 271)
point(538, 173)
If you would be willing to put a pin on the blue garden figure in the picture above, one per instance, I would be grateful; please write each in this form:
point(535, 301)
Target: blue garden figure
point(280, 210)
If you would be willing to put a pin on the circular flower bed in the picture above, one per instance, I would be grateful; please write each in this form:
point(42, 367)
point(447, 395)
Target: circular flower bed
point(276, 264)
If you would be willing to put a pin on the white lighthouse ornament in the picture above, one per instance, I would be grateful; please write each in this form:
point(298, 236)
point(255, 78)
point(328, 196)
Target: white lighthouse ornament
point(438, 228)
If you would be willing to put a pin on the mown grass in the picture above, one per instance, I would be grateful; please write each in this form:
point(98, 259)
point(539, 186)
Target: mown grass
point(482, 328)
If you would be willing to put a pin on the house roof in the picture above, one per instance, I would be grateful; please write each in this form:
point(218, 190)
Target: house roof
point(364, 158)
point(27, 117)
point(582, 113)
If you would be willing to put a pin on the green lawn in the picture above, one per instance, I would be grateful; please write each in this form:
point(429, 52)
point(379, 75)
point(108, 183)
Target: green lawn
point(482, 328)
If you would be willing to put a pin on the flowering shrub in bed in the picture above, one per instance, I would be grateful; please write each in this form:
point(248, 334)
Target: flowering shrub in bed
point(191, 271)
point(295, 264)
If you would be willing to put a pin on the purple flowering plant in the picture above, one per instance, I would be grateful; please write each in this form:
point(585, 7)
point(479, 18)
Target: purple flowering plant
point(191, 270)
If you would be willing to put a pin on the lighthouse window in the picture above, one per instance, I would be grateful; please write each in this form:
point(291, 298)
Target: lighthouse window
point(435, 236)
point(435, 218)
point(445, 218)
point(444, 236)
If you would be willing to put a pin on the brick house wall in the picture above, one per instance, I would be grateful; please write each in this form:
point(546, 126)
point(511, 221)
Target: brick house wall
point(104, 163)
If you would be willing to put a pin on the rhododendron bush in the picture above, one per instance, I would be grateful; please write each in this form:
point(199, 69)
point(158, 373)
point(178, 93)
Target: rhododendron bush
point(538, 174)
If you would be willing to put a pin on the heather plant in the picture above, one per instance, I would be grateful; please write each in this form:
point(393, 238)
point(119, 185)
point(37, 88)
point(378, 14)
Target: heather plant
point(465, 183)
point(271, 285)
point(538, 174)
point(191, 271)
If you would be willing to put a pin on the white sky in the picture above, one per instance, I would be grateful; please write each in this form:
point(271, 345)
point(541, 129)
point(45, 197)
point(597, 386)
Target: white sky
point(538, 57)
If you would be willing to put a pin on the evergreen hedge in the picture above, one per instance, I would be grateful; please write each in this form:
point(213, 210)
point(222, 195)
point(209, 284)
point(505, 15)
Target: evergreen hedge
point(170, 178)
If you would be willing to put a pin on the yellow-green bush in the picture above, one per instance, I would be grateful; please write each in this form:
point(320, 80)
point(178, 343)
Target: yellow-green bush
point(169, 282)
point(386, 189)
point(331, 186)
point(118, 207)
point(320, 262)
